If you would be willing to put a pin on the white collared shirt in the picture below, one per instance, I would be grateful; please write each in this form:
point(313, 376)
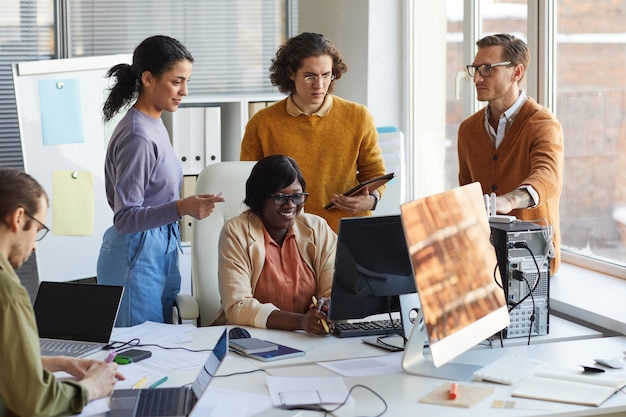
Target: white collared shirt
point(506, 119)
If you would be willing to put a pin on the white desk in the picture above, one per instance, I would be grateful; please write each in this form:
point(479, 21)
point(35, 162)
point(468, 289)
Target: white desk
point(400, 390)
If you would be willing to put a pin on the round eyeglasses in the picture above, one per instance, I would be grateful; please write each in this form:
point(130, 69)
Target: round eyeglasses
point(484, 70)
point(282, 199)
point(41, 233)
point(326, 78)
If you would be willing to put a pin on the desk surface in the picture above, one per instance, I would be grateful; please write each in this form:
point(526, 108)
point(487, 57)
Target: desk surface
point(241, 389)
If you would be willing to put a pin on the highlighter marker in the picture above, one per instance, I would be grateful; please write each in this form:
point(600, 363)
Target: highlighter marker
point(453, 391)
point(140, 382)
point(111, 356)
point(159, 382)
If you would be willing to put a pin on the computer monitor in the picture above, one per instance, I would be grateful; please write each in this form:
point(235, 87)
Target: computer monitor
point(372, 267)
point(454, 264)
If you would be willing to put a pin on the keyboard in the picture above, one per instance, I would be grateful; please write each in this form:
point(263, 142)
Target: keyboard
point(160, 402)
point(67, 348)
point(367, 328)
point(508, 370)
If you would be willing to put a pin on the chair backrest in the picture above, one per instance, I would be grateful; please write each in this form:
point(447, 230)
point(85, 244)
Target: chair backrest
point(230, 178)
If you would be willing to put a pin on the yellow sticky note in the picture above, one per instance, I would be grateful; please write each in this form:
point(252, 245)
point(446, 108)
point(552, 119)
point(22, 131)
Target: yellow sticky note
point(72, 203)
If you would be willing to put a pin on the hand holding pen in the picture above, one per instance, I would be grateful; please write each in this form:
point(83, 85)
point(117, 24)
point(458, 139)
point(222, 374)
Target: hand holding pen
point(319, 304)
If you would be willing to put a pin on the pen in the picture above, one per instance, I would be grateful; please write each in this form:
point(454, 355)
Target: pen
point(140, 382)
point(319, 308)
point(453, 390)
point(111, 356)
point(159, 382)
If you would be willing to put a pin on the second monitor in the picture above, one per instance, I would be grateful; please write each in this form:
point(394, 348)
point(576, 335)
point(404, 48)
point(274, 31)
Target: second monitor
point(372, 268)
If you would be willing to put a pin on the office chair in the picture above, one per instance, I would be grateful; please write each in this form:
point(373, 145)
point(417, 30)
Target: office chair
point(230, 178)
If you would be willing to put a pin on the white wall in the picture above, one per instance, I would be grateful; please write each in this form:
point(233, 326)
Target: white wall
point(429, 83)
point(369, 35)
point(374, 39)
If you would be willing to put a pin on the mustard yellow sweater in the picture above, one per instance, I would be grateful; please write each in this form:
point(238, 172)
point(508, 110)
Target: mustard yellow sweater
point(335, 152)
point(530, 154)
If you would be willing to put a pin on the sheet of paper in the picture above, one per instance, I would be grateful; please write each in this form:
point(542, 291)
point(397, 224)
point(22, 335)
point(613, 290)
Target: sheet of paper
point(387, 364)
point(221, 402)
point(156, 333)
point(72, 203)
point(289, 392)
point(61, 111)
point(134, 372)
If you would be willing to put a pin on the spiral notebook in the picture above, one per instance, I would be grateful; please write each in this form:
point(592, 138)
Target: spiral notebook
point(281, 352)
point(251, 345)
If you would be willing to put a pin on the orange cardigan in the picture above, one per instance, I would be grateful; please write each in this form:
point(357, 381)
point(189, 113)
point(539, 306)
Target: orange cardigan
point(530, 154)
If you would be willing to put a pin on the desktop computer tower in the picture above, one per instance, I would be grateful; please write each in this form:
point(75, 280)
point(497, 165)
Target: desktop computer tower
point(521, 249)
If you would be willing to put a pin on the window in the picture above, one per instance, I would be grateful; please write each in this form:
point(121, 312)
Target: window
point(588, 97)
point(26, 34)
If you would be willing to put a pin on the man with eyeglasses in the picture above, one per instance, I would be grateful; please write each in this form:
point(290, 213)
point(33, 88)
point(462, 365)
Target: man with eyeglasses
point(334, 140)
point(514, 146)
point(28, 386)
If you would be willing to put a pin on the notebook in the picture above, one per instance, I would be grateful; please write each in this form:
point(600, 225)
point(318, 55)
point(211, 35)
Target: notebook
point(169, 402)
point(75, 319)
point(252, 345)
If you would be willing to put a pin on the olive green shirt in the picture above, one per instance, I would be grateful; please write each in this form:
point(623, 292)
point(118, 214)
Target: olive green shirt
point(26, 389)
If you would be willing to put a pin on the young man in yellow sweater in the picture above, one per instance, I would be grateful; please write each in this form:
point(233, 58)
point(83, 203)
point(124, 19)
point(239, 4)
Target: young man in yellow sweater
point(334, 141)
point(513, 147)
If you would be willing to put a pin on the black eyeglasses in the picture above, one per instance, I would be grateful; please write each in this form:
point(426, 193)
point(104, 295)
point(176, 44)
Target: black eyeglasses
point(282, 199)
point(485, 69)
point(41, 233)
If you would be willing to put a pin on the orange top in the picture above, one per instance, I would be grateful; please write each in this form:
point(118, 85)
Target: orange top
point(285, 280)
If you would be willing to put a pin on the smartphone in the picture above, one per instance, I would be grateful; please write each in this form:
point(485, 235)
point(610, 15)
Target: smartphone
point(131, 356)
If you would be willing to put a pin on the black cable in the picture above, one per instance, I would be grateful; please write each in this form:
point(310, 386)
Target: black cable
point(530, 294)
point(241, 373)
point(117, 345)
point(399, 331)
point(174, 348)
point(326, 412)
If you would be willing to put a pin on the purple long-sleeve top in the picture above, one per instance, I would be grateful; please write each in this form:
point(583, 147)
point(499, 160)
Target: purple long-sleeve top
point(143, 176)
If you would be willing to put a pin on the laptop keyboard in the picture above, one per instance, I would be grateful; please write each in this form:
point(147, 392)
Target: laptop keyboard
point(60, 347)
point(159, 402)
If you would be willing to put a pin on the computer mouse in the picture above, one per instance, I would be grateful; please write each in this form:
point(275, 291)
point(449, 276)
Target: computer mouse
point(615, 363)
point(238, 333)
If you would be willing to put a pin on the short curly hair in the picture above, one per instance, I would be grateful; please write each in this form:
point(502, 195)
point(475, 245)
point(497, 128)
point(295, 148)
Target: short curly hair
point(290, 55)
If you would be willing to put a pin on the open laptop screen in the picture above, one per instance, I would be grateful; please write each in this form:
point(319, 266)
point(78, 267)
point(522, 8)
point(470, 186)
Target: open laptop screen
point(73, 311)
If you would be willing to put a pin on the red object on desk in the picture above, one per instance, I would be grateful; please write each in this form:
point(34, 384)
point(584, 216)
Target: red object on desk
point(453, 390)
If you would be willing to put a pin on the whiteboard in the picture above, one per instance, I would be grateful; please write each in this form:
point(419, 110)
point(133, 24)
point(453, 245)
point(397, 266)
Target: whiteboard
point(67, 138)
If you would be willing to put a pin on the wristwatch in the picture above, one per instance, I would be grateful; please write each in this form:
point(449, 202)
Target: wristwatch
point(375, 201)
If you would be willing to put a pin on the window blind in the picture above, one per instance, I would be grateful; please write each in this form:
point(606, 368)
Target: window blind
point(26, 34)
point(232, 41)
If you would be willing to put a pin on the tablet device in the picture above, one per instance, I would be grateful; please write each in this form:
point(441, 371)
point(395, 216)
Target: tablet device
point(372, 184)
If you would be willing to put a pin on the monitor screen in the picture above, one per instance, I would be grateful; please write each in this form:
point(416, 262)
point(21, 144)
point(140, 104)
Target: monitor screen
point(448, 238)
point(372, 267)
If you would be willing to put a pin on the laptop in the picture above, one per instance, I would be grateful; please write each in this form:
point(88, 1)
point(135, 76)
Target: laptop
point(169, 402)
point(75, 319)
